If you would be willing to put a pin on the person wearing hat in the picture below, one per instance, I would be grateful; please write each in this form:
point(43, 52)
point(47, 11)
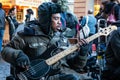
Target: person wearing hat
point(34, 43)
point(68, 19)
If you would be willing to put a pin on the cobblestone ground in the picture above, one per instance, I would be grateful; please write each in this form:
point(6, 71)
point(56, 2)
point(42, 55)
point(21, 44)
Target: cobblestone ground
point(4, 69)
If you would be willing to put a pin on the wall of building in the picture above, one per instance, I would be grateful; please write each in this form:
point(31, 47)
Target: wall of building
point(71, 5)
point(90, 4)
point(81, 7)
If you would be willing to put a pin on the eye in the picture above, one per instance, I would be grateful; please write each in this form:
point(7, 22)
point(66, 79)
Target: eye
point(56, 18)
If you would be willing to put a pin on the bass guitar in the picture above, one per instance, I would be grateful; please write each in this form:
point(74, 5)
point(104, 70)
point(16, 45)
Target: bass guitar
point(40, 68)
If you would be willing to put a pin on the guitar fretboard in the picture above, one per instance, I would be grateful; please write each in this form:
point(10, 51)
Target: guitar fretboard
point(93, 37)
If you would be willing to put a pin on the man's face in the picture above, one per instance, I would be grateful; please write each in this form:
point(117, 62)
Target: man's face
point(56, 23)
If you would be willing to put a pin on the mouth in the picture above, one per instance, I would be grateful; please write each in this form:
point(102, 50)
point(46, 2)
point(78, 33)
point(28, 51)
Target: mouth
point(59, 29)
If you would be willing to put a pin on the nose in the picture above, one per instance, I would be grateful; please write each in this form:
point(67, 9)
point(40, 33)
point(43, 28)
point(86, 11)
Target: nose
point(60, 22)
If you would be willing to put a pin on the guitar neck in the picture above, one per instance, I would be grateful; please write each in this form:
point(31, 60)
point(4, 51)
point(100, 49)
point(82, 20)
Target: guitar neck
point(93, 37)
point(71, 49)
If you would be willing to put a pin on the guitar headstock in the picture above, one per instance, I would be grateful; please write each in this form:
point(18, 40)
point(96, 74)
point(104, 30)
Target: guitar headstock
point(107, 30)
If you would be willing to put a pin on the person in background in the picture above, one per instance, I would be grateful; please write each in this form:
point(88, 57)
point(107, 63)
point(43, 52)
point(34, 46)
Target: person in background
point(30, 19)
point(112, 6)
point(37, 42)
point(92, 21)
point(13, 23)
point(2, 26)
point(30, 15)
point(101, 14)
point(108, 8)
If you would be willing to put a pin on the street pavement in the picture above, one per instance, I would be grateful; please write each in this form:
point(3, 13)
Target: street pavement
point(4, 69)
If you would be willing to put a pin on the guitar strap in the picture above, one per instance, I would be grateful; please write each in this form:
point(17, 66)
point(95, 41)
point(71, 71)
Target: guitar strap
point(87, 18)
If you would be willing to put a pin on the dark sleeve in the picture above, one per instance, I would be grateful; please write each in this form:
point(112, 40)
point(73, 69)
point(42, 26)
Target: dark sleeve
point(15, 22)
point(115, 44)
point(13, 49)
point(116, 12)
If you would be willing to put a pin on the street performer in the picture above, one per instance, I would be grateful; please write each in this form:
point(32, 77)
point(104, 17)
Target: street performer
point(34, 42)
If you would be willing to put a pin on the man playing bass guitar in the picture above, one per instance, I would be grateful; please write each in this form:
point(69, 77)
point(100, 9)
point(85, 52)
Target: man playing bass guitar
point(35, 42)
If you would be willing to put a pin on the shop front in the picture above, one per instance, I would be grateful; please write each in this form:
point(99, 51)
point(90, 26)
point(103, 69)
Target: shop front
point(21, 7)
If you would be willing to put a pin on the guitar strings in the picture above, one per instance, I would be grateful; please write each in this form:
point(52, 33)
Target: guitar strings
point(35, 67)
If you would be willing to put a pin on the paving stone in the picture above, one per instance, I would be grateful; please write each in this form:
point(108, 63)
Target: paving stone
point(4, 69)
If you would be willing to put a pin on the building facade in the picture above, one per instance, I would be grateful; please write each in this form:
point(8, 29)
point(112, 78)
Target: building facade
point(81, 6)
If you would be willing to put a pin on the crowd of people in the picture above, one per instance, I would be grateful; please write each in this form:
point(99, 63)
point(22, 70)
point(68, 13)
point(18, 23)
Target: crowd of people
point(42, 39)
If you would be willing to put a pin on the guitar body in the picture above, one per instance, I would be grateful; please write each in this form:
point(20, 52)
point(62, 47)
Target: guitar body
point(38, 69)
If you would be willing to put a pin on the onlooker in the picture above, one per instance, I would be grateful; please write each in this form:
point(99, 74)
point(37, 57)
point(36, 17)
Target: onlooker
point(30, 19)
point(112, 7)
point(30, 15)
point(13, 23)
point(101, 14)
point(37, 42)
point(2, 25)
point(92, 21)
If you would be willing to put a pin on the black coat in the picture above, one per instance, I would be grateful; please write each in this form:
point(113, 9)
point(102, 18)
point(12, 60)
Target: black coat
point(113, 50)
point(112, 57)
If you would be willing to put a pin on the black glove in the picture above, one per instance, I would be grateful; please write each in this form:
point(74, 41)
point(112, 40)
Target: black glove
point(22, 60)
